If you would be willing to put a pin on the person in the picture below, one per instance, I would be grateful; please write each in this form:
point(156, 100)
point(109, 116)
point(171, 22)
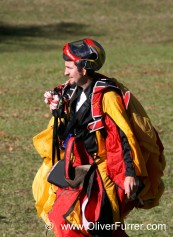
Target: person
point(104, 171)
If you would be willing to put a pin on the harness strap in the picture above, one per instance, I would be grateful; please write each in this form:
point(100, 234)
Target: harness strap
point(55, 143)
point(67, 158)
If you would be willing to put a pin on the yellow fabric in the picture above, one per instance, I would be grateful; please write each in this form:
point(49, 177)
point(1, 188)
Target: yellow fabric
point(112, 105)
point(43, 191)
point(75, 218)
point(146, 162)
point(43, 140)
point(146, 165)
point(108, 184)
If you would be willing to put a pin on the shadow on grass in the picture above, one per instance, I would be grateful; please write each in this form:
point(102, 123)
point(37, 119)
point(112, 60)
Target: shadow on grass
point(51, 31)
point(3, 219)
point(25, 35)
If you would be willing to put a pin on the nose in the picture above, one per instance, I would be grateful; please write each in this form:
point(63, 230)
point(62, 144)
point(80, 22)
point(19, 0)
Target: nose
point(66, 72)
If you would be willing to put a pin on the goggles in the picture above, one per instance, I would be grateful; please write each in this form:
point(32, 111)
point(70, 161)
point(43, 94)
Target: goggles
point(78, 50)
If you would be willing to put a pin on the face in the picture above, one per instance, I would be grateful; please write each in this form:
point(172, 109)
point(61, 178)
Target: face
point(75, 75)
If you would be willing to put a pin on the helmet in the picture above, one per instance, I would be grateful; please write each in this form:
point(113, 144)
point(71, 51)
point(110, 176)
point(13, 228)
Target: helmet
point(86, 53)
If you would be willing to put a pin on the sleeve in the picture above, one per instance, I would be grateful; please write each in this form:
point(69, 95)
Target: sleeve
point(130, 171)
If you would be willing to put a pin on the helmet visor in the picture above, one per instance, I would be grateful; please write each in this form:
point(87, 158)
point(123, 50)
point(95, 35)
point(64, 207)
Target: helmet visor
point(80, 49)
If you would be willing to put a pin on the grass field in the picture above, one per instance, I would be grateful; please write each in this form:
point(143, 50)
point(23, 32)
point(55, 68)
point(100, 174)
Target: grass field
point(138, 38)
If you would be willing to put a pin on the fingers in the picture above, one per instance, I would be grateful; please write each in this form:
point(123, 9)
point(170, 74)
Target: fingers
point(51, 99)
point(129, 186)
point(127, 191)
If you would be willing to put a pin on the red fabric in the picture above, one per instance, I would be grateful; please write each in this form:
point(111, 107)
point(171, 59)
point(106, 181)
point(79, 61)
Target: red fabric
point(68, 156)
point(65, 199)
point(93, 208)
point(96, 104)
point(96, 125)
point(115, 161)
point(115, 167)
point(81, 155)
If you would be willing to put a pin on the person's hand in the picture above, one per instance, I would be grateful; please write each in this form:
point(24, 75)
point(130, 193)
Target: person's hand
point(48, 97)
point(54, 102)
point(130, 186)
point(51, 99)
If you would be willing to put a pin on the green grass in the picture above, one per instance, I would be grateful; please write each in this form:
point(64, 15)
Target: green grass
point(138, 39)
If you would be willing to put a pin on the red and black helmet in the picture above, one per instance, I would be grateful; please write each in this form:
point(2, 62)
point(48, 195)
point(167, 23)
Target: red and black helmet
point(86, 53)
